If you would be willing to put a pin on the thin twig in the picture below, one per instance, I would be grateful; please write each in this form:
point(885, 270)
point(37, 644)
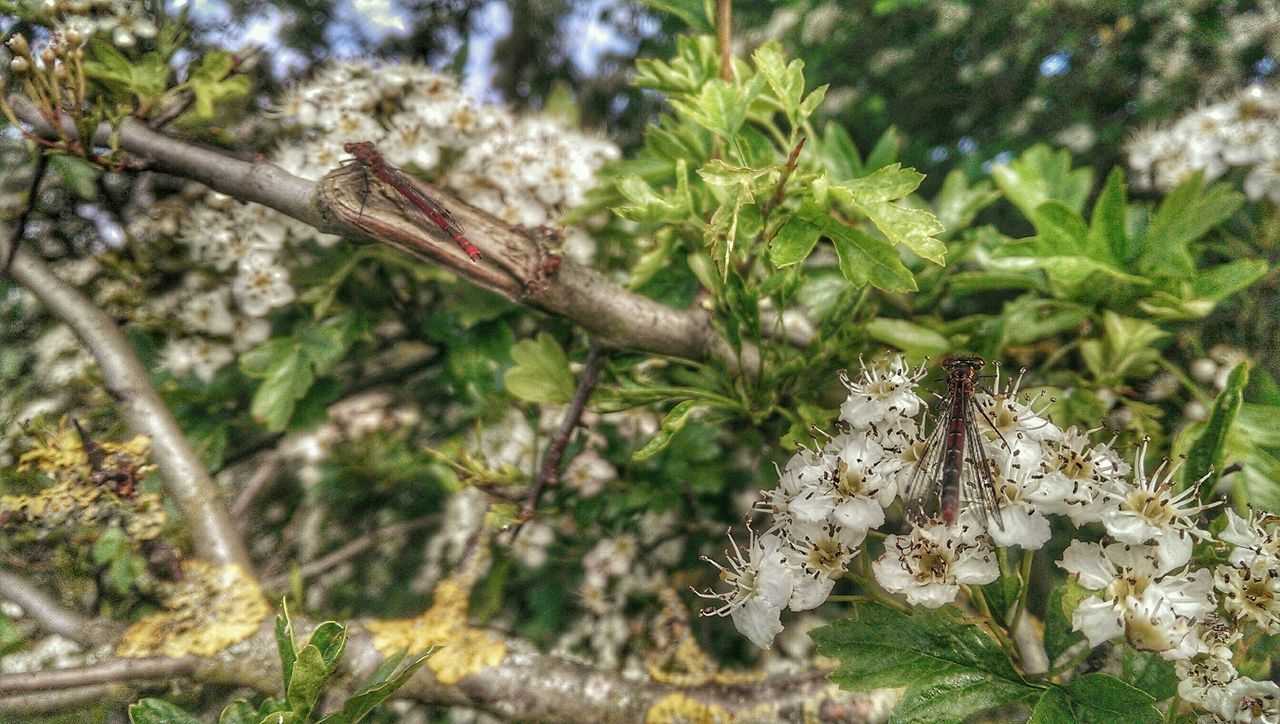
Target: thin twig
point(351, 550)
point(20, 228)
point(53, 616)
point(550, 473)
point(724, 34)
point(112, 671)
point(266, 473)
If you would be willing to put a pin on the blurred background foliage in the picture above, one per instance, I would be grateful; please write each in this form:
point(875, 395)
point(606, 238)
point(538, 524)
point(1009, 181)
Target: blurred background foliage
point(1125, 304)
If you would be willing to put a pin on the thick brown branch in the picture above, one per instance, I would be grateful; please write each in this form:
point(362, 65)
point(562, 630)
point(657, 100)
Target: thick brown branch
point(615, 317)
point(113, 671)
point(185, 477)
point(53, 616)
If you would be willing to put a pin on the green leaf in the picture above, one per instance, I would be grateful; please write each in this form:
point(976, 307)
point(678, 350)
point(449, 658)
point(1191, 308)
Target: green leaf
point(378, 689)
point(284, 642)
point(958, 203)
point(697, 61)
point(951, 669)
point(721, 106)
point(1041, 175)
point(838, 153)
point(80, 176)
point(310, 672)
point(865, 259)
point(145, 79)
point(1221, 281)
point(811, 102)
point(718, 173)
point(1060, 231)
point(212, 82)
point(673, 423)
point(1187, 213)
point(159, 711)
point(912, 338)
point(274, 399)
point(239, 712)
point(1127, 349)
point(260, 361)
point(329, 638)
point(1107, 238)
point(793, 242)
point(1206, 455)
point(884, 184)
point(884, 152)
point(541, 372)
point(691, 12)
point(786, 80)
point(1098, 697)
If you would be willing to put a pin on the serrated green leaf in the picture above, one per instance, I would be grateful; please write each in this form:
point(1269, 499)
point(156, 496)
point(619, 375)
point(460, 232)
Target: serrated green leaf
point(1060, 231)
point(1187, 213)
point(239, 712)
point(951, 669)
point(1107, 238)
point(1099, 697)
point(786, 80)
point(1222, 280)
point(159, 711)
point(865, 259)
point(884, 184)
point(1206, 455)
point(915, 229)
point(811, 102)
point(541, 371)
point(1053, 707)
point(958, 203)
point(793, 242)
point(145, 79)
point(1041, 174)
point(673, 423)
point(720, 107)
point(718, 173)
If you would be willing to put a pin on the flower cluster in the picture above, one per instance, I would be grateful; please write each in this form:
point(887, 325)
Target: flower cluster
point(1144, 585)
point(1242, 131)
point(527, 171)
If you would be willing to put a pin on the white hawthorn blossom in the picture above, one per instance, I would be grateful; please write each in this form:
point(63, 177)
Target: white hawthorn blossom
point(929, 564)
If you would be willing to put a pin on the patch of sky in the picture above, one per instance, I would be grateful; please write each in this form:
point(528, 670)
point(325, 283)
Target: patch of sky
point(999, 159)
point(1265, 66)
point(1058, 63)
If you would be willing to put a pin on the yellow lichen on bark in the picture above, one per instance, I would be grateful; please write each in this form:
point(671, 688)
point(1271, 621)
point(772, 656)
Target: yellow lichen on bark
point(207, 611)
point(680, 709)
point(462, 650)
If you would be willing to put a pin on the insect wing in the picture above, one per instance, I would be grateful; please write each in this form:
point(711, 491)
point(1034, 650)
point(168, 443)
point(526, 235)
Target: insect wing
point(979, 483)
point(920, 496)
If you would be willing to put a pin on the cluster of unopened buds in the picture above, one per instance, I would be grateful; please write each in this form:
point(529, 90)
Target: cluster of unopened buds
point(1144, 584)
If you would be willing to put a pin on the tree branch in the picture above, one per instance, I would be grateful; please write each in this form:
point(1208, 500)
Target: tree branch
point(53, 616)
point(185, 477)
point(615, 317)
point(352, 549)
point(550, 473)
point(112, 671)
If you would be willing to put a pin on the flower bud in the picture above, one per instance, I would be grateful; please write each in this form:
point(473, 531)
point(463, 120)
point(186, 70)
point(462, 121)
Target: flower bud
point(19, 66)
point(75, 38)
point(47, 56)
point(18, 44)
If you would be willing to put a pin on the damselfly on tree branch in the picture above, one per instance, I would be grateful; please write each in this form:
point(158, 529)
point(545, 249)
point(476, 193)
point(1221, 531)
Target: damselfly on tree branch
point(618, 318)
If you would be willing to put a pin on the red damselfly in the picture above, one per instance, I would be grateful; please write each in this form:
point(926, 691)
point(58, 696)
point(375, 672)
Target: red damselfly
point(954, 463)
point(371, 163)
